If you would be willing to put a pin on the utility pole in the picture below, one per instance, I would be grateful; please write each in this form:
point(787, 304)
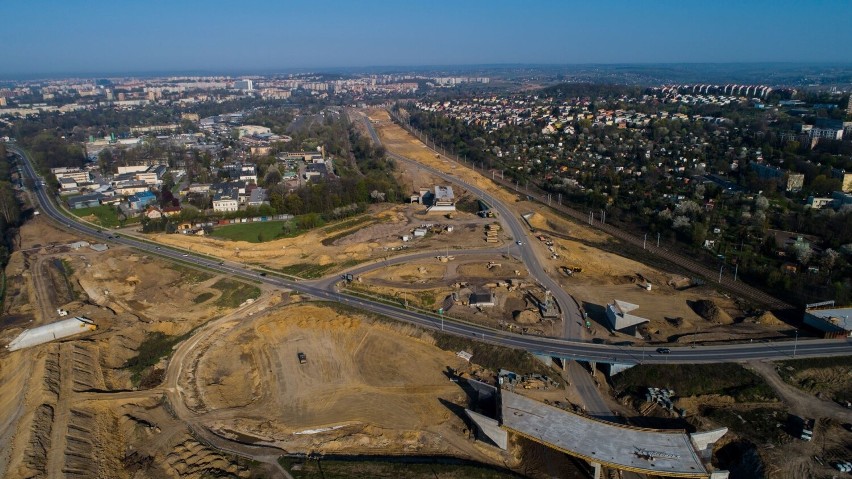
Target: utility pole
point(736, 268)
point(644, 240)
point(721, 266)
point(658, 240)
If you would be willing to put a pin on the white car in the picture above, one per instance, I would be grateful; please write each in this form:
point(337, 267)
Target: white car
point(519, 243)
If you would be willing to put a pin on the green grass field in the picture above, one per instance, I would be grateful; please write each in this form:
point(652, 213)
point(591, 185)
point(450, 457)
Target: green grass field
point(155, 347)
point(252, 232)
point(105, 214)
point(234, 293)
point(314, 271)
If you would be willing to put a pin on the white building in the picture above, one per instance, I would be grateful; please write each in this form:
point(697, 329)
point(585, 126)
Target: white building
point(226, 200)
point(246, 84)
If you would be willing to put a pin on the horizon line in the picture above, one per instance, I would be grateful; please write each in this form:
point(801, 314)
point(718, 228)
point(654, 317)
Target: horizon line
point(262, 71)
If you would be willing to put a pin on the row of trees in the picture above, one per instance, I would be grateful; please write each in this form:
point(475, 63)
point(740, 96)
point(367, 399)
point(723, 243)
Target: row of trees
point(10, 209)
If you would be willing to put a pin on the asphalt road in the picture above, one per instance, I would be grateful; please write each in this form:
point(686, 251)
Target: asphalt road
point(569, 349)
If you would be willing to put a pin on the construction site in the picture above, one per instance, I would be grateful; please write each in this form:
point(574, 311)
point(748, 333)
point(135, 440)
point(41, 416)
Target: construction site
point(120, 364)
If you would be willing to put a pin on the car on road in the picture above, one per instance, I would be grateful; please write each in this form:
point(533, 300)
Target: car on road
point(519, 243)
point(664, 350)
point(302, 358)
point(157, 247)
point(263, 274)
point(184, 254)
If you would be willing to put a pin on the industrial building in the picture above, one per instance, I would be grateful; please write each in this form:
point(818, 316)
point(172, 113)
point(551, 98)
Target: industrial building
point(832, 322)
point(443, 199)
point(51, 332)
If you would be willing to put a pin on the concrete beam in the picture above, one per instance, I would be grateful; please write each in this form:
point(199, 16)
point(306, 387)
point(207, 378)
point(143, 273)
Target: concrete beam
point(615, 368)
point(719, 475)
point(706, 439)
point(545, 359)
point(490, 428)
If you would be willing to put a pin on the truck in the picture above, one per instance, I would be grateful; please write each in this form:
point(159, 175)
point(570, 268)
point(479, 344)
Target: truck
point(807, 430)
point(302, 358)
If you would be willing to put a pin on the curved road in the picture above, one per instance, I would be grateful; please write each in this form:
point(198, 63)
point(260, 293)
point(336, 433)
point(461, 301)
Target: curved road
point(725, 281)
point(572, 319)
point(556, 347)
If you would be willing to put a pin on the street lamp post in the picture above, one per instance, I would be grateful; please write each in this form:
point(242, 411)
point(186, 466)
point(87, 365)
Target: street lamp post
point(795, 343)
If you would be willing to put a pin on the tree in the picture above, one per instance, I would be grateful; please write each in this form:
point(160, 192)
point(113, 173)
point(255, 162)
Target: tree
point(829, 258)
point(680, 222)
point(9, 209)
point(803, 251)
point(272, 178)
point(168, 181)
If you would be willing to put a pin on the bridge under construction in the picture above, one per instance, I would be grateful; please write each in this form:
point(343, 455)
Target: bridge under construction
point(666, 453)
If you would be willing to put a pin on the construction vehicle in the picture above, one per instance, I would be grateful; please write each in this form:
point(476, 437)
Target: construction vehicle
point(569, 270)
point(807, 430)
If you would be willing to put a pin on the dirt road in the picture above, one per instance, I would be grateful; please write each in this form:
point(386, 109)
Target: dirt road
point(264, 454)
point(799, 402)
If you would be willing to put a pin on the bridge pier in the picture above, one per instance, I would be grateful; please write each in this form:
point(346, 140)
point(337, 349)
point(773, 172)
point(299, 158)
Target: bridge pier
point(596, 470)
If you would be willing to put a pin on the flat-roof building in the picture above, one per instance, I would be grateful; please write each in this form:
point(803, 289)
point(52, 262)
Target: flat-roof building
point(443, 200)
point(833, 322)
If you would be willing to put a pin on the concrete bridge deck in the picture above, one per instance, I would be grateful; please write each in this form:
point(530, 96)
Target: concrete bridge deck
point(647, 451)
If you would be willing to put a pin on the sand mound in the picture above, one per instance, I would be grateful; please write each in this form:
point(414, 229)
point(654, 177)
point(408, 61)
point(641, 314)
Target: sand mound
point(708, 310)
point(768, 319)
point(527, 316)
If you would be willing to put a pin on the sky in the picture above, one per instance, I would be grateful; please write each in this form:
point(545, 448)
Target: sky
point(100, 36)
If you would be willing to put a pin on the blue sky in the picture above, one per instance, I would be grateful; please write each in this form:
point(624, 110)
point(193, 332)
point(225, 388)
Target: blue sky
point(57, 36)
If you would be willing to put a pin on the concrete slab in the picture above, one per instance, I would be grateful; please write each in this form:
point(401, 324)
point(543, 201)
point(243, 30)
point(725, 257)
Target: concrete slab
point(648, 451)
point(489, 428)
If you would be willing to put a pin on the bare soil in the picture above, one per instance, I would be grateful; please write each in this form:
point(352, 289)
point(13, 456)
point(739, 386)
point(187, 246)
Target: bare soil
point(47, 427)
point(366, 386)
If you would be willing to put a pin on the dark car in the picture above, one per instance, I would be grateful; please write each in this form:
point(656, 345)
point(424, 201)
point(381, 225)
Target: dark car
point(664, 350)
